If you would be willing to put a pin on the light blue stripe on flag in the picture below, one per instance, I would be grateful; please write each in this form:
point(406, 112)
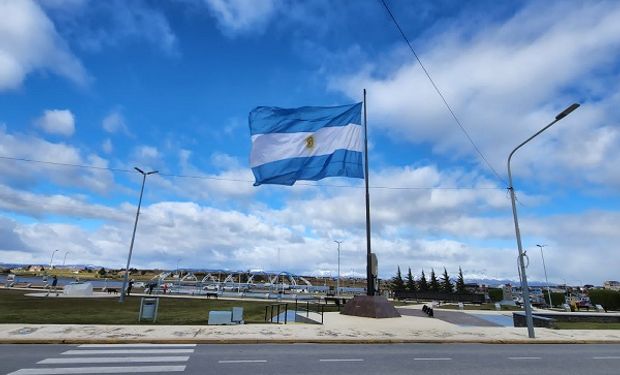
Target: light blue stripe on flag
point(307, 143)
point(304, 119)
point(287, 171)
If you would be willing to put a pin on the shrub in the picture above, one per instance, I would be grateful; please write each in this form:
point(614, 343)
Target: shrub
point(609, 299)
point(496, 294)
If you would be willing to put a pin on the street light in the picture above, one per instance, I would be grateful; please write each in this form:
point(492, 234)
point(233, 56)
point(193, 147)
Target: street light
point(178, 274)
point(524, 286)
point(546, 279)
point(52, 258)
point(133, 236)
point(65, 258)
point(338, 278)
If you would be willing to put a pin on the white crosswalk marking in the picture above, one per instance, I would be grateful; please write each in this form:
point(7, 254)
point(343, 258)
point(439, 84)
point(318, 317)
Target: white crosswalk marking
point(128, 351)
point(137, 346)
point(141, 354)
point(56, 361)
point(97, 370)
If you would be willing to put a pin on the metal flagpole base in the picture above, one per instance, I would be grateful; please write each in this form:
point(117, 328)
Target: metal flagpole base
point(370, 307)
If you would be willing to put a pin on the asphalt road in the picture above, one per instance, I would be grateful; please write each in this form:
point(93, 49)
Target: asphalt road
point(462, 359)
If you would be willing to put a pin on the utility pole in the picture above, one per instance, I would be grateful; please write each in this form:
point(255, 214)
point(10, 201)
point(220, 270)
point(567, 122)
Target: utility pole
point(133, 236)
point(524, 287)
point(338, 278)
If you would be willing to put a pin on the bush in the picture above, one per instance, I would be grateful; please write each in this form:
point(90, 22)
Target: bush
point(609, 299)
point(557, 299)
point(496, 294)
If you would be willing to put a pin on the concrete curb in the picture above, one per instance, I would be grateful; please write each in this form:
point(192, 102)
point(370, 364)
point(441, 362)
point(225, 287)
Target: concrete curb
point(302, 341)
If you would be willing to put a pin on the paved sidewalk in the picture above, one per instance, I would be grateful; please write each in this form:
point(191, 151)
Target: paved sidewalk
point(337, 329)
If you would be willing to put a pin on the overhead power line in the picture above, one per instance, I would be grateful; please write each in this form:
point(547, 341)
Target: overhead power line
point(445, 102)
point(201, 177)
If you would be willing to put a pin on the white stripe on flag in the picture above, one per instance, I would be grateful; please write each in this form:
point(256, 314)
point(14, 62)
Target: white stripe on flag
point(278, 146)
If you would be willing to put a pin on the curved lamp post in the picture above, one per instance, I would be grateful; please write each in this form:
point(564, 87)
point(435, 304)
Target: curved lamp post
point(65, 258)
point(52, 258)
point(524, 287)
point(545, 269)
point(133, 236)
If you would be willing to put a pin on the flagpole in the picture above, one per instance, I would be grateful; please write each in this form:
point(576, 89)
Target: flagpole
point(370, 282)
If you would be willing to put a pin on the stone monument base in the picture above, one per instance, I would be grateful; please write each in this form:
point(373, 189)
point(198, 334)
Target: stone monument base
point(370, 307)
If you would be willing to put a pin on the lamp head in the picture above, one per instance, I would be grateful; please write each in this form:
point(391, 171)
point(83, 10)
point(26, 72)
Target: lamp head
point(567, 111)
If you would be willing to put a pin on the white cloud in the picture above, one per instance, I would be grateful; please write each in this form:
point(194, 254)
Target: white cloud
point(57, 121)
point(114, 122)
point(29, 42)
point(147, 152)
point(506, 80)
point(212, 238)
point(147, 158)
point(95, 25)
point(22, 174)
point(107, 146)
point(233, 183)
point(41, 205)
point(237, 17)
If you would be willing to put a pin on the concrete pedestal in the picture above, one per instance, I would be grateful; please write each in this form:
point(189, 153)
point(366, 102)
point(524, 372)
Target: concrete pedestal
point(370, 307)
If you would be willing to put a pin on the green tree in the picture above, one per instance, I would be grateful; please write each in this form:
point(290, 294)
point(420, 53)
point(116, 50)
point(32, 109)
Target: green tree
point(434, 284)
point(397, 283)
point(446, 284)
point(101, 271)
point(460, 283)
point(410, 281)
point(422, 283)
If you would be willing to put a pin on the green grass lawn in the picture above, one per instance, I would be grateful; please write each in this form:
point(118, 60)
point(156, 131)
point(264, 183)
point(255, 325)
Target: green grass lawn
point(585, 325)
point(15, 307)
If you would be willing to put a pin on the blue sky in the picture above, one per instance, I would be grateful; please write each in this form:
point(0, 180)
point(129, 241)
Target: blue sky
point(168, 85)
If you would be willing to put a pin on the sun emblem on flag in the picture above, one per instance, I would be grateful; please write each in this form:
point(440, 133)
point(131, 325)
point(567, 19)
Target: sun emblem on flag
point(310, 142)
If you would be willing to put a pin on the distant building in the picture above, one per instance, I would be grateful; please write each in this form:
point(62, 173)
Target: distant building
point(613, 285)
point(35, 268)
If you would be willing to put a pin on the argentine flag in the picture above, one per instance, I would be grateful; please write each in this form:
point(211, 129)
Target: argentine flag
point(307, 143)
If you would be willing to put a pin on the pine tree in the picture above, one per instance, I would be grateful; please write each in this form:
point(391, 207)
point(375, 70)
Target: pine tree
point(446, 284)
point(422, 284)
point(410, 281)
point(434, 284)
point(397, 283)
point(460, 283)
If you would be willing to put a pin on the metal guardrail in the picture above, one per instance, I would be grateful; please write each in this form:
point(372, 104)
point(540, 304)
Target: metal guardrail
point(274, 312)
point(269, 310)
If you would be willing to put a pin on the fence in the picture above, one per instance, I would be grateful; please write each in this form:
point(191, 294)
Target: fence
point(279, 313)
point(438, 296)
